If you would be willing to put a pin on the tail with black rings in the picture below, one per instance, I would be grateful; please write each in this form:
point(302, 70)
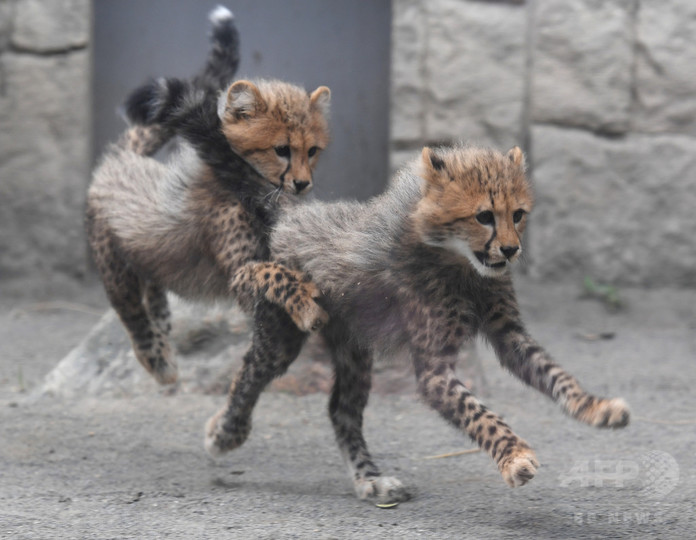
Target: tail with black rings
point(153, 103)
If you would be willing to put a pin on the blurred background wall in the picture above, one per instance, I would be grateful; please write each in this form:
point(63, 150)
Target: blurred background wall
point(44, 141)
point(601, 94)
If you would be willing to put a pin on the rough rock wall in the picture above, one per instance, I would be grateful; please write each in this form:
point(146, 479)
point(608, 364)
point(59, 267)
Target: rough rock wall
point(601, 94)
point(44, 105)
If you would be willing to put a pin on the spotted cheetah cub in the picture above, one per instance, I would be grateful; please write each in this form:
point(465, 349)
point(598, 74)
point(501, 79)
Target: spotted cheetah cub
point(178, 226)
point(423, 267)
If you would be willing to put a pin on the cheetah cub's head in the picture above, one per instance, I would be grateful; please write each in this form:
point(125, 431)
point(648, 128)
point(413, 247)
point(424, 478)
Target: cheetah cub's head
point(475, 203)
point(278, 128)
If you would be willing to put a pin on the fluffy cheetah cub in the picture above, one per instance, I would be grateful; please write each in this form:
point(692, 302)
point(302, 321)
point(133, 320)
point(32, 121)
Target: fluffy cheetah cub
point(423, 267)
point(178, 226)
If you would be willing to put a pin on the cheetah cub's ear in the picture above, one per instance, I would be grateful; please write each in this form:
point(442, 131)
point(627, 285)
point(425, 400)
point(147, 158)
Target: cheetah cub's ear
point(320, 99)
point(243, 100)
point(517, 157)
point(433, 168)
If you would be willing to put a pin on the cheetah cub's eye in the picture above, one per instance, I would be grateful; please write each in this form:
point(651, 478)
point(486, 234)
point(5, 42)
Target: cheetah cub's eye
point(518, 215)
point(312, 151)
point(485, 218)
point(282, 151)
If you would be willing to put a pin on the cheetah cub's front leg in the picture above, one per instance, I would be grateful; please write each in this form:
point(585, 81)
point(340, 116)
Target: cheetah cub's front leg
point(597, 412)
point(283, 287)
point(528, 361)
point(303, 308)
point(441, 389)
point(518, 467)
point(234, 243)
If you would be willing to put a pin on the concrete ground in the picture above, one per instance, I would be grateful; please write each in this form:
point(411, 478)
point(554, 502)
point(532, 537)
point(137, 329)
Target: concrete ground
point(135, 467)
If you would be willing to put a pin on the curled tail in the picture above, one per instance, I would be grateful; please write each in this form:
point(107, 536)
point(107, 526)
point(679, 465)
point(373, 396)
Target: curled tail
point(155, 101)
point(149, 108)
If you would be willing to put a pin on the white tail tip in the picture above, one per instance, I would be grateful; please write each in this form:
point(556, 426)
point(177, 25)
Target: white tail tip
point(220, 15)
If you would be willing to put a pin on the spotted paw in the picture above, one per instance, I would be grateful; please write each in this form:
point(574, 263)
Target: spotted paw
point(304, 310)
point(158, 362)
point(223, 435)
point(167, 375)
point(607, 413)
point(381, 489)
point(519, 467)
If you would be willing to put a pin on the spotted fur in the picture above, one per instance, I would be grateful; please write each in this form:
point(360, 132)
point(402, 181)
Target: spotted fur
point(178, 226)
point(423, 267)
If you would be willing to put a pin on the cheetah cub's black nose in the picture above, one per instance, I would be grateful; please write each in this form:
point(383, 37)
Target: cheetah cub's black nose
point(509, 251)
point(300, 185)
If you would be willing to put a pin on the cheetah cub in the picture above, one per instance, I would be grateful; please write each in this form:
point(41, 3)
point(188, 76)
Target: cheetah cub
point(423, 267)
point(178, 226)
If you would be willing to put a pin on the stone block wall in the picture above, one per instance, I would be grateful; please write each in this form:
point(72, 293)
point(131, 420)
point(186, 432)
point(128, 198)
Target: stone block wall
point(44, 106)
point(601, 94)
point(458, 73)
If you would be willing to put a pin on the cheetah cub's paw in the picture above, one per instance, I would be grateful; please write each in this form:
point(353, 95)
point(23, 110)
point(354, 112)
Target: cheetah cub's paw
point(302, 307)
point(607, 413)
point(159, 362)
point(519, 467)
point(381, 489)
point(221, 437)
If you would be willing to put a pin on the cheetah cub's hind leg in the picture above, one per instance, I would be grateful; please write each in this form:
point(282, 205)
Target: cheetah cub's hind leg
point(276, 344)
point(144, 312)
point(349, 396)
point(157, 308)
point(150, 343)
point(142, 307)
